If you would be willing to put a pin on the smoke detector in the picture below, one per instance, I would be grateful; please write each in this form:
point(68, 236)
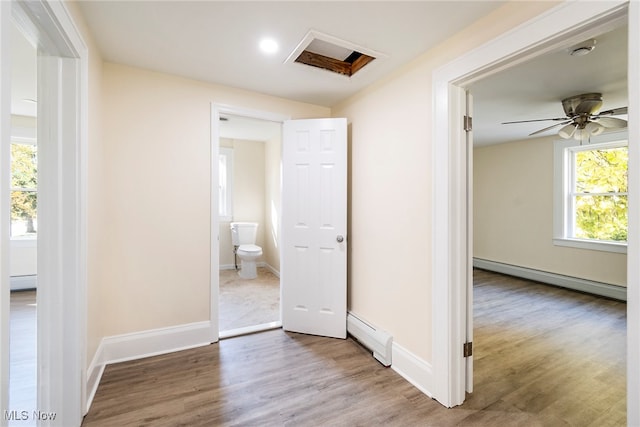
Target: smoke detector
point(583, 48)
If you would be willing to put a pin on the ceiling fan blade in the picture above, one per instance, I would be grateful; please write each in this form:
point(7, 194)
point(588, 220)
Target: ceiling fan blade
point(557, 119)
point(566, 122)
point(611, 122)
point(614, 112)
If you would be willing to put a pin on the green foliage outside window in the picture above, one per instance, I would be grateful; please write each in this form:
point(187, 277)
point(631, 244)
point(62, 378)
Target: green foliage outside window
point(601, 194)
point(24, 181)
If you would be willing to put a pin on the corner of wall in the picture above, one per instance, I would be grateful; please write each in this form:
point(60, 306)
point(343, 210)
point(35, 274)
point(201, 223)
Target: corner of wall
point(138, 345)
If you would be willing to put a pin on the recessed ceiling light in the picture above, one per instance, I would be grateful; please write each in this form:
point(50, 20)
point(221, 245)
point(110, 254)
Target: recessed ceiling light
point(269, 46)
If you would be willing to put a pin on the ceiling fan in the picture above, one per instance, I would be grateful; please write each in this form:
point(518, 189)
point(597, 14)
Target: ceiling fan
point(582, 117)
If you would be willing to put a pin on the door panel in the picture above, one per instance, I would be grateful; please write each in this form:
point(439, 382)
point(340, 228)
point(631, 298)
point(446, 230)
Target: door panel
point(314, 218)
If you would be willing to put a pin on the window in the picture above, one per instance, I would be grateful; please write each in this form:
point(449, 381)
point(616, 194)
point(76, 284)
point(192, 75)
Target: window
point(225, 181)
point(590, 206)
point(24, 191)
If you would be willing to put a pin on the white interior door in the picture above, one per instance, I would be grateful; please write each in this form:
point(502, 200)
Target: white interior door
point(314, 225)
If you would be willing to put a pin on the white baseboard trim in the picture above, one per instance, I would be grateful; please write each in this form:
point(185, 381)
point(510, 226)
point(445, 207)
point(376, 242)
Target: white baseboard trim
point(138, 345)
point(258, 264)
point(575, 283)
point(270, 268)
point(21, 283)
point(413, 369)
point(94, 375)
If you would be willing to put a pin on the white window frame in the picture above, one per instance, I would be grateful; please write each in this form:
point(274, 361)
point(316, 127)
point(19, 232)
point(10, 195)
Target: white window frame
point(563, 186)
point(225, 190)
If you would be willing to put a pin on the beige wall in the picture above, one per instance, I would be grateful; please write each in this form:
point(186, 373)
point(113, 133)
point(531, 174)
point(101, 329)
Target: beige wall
point(248, 184)
point(157, 157)
point(513, 214)
point(390, 175)
point(97, 217)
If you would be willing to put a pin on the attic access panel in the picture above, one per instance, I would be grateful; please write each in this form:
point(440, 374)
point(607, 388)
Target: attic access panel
point(332, 54)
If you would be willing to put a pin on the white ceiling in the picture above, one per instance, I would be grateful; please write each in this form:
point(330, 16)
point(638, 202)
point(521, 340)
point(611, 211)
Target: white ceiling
point(217, 42)
point(23, 82)
point(535, 89)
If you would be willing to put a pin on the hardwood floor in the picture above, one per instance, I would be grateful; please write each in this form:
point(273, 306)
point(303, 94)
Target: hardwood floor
point(543, 357)
point(550, 351)
point(22, 364)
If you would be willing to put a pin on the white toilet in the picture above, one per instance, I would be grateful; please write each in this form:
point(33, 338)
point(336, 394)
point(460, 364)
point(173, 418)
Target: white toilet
point(243, 237)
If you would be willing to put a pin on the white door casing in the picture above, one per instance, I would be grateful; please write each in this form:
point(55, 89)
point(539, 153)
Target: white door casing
point(633, 245)
point(216, 111)
point(5, 183)
point(469, 269)
point(314, 227)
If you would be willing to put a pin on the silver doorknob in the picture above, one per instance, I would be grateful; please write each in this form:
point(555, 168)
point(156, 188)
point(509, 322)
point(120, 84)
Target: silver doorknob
point(339, 239)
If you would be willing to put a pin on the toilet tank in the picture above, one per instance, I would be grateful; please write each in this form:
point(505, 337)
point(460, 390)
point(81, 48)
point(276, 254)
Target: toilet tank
point(244, 233)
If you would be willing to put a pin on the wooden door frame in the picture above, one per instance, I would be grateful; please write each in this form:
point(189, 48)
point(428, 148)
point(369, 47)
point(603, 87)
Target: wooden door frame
point(62, 248)
point(568, 22)
point(217, 110)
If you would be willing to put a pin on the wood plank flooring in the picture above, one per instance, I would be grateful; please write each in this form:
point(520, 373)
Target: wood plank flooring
point(22, 359)
point(550, 351)
point(543, 357)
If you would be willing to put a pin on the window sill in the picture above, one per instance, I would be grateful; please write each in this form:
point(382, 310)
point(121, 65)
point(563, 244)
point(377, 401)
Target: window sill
point(620, 248)
point(23, 242)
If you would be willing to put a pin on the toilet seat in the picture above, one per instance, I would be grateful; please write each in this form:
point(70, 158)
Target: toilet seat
point(249, 250)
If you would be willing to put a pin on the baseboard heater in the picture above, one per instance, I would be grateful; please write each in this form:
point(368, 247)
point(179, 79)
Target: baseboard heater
point(577, 284)
point(376, 340)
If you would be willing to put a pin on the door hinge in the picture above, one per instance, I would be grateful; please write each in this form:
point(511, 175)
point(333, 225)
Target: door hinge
point(468, 123)
point(467, 349)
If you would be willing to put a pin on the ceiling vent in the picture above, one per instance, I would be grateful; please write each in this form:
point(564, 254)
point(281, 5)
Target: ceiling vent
point(332, 54)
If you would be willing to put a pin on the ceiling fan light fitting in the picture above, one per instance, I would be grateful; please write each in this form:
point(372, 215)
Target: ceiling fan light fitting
point(593, 128)
point(579, 134)
point(567, 131)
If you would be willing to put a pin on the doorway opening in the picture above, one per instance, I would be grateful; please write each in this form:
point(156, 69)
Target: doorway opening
point(522, 271)
point(561, 26)
point(246, 181)
point(24, 224)
point(249, 199)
